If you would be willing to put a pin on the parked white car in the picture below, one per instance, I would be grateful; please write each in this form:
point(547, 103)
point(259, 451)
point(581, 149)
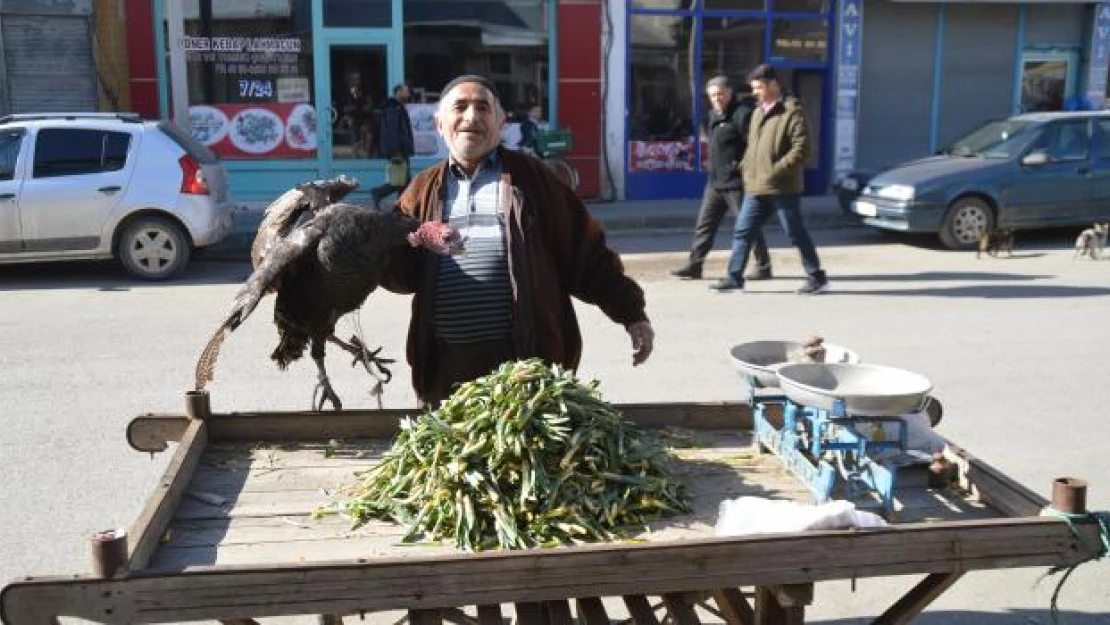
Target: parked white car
point(80, 186)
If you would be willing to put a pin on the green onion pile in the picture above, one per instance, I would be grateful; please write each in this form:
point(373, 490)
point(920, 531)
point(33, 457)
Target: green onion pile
point(526, 456)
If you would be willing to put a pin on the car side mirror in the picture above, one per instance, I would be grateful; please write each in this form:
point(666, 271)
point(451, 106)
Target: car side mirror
point(1034, 159)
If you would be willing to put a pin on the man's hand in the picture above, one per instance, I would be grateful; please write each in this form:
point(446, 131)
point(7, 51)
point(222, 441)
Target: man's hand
point(643, 340)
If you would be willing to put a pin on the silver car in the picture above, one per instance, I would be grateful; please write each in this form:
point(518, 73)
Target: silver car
point(80, 186)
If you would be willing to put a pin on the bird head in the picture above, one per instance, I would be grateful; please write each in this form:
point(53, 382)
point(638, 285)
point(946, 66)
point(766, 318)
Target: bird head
point(437, 237)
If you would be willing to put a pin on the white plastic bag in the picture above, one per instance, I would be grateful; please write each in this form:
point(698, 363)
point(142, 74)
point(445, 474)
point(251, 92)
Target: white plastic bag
point(758, 515)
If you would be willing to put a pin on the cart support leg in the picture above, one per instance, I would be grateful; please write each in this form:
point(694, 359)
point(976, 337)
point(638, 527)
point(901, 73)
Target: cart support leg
point(782, 605)
point(918, 598)
point(734, 607)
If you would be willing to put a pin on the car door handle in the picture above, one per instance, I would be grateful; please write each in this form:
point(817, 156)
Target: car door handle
point(7, 196)
point(111, 189)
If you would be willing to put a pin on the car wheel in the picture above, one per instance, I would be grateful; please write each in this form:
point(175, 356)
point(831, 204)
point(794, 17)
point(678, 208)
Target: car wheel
point(966, 218)
point(153, 248)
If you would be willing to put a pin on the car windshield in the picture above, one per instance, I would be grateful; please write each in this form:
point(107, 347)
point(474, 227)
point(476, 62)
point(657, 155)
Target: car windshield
point(997, 139)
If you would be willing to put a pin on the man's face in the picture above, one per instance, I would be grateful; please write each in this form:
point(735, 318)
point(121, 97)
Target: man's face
point(766, 91)
point(719, 97)
point(470, 121)
point(404, 95)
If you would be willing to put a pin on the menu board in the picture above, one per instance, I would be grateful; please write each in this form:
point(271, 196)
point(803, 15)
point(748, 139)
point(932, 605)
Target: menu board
point(257, 130)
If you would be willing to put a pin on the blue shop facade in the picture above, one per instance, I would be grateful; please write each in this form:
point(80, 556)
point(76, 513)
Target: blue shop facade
point(882, 81)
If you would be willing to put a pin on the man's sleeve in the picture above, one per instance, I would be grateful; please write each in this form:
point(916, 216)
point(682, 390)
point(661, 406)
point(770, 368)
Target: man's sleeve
point(797, 134)
point(590, 270)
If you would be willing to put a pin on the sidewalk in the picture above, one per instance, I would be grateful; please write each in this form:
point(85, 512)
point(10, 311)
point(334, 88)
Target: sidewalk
point(626, 217)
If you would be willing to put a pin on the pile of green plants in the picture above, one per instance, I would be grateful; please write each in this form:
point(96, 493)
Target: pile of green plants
point(526, 456)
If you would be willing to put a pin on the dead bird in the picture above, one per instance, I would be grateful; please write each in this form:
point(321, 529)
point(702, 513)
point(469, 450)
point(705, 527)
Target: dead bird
point(1091, 241)
point(995, 242)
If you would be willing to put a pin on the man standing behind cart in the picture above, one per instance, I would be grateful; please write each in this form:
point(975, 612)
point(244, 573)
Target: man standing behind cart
point(728, 136)
point(530, 245)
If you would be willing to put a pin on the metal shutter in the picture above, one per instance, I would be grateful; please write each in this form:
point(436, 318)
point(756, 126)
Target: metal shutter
point(896, 83)
point(977, 81)
point(49, 62)
point(1056, 25)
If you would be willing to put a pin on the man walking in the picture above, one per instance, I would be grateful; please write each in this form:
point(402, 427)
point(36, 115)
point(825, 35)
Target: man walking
point(396, 143)
point(778, 144)
point(728, 137)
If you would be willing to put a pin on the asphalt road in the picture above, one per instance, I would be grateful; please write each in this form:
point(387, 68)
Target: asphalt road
point(1015, 348)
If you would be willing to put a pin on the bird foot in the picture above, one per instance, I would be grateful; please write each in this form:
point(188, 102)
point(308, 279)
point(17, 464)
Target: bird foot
point(323, 394)
point(369, 359)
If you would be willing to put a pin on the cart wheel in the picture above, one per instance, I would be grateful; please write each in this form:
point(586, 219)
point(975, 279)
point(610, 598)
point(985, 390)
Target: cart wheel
point(934, 409)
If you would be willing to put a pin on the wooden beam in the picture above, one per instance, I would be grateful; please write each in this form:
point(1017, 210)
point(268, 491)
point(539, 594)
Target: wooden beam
point(640, 610)
point(148, 529)
point(771, 609)
point(264, 426)
point(992, 486)
point(152, 433)
point(680, 610)
point(918, 598)
point(734, 607)
point(591, 611)
point(489, 615)
point(530, 613)
point(614, 569)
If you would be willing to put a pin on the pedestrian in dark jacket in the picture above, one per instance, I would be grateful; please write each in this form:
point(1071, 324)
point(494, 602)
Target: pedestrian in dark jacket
point(727, 132)
point(530, 246)
point(395, 143)
point(773, 167)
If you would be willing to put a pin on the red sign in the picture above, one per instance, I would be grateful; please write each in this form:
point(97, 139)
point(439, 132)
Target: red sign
point(256, 130)
point(662, 155)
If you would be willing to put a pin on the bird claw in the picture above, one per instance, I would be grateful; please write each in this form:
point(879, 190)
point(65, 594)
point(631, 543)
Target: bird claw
point(369, 359)
point(324, 393)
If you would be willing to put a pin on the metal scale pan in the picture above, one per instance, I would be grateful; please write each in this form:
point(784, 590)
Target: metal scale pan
point(865, 390)
point(760, 360)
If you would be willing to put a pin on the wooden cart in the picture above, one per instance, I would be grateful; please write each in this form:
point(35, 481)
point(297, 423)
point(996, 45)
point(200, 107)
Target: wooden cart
point(229, 535)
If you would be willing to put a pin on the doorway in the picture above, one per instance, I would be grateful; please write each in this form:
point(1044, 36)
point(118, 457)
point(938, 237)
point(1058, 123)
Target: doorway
point(358, 89)
point(810, 86)
point(1047, 80)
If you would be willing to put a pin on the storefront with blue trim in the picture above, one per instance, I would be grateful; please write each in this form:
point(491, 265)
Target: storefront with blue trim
point(673, 47)
point(289, 90)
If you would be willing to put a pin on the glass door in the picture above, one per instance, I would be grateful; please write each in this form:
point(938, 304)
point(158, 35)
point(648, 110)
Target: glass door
point(358, 88)
point(1047, 80)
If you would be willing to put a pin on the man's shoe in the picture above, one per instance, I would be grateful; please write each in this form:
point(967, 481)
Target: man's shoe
point(814, 285)
point(689, 272)
point(759, 274)
point(725, 285)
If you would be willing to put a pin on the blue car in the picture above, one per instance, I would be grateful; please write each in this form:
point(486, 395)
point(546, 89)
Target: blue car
point(1036, 170)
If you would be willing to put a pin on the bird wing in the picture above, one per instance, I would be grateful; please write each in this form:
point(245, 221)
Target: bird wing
point(283, 252)
point(294, 207)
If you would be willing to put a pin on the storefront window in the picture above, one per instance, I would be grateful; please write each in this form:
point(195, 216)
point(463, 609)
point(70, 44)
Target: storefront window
point(735, 5)
point(663, 4)
point(358, 13)
point(800, 6)
point(800, 40)
point(661, 125)
point(250, 77)
point(731, 46)
point(1043, 84)
point(505, 41)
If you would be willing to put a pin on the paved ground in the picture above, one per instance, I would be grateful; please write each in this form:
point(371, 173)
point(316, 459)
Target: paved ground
point(1015, 347)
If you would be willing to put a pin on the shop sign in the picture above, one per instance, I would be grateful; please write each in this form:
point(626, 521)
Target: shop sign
point(256, 130)
point(850, 25)
point(1100, 57)
point(661, 155)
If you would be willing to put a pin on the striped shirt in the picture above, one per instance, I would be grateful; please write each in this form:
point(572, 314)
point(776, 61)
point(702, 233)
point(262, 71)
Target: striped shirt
point(473, 296)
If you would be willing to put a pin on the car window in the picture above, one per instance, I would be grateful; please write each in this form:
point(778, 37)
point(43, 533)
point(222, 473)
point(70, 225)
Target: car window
point(1102, 127)
point(9, 152)
point(997, 139)
point(74, 151)
point(1065, 141)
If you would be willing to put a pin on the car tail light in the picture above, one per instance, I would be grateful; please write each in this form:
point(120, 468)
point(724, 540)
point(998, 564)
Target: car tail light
point(192, 176)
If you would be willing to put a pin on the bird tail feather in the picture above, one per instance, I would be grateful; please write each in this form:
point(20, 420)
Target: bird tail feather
point(206, 364)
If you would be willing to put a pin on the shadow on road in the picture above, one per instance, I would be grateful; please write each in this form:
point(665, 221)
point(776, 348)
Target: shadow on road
point(990, 291)
point(1012, 617)
point(932, 276)
point(110, 276)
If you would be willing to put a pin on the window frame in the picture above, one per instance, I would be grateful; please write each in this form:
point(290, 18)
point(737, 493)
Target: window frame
point(19, 134)
point(47, 133)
